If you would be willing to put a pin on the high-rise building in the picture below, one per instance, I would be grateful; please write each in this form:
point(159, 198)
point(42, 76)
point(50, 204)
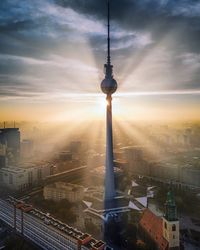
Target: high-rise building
point(11, 138)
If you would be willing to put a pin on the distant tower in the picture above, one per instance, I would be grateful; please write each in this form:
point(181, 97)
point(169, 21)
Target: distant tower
point(108, 87)
point(171, 223)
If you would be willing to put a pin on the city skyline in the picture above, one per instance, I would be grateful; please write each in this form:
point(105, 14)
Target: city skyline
point(99, 124)
point(52, 54)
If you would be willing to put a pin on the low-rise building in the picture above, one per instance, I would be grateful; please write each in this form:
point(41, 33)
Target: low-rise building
point(97, 215)
point(21, 178)
point(61, 190)
point(14, 178)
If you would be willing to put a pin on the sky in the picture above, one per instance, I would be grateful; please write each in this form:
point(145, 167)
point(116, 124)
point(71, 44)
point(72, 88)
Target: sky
point(52, 54)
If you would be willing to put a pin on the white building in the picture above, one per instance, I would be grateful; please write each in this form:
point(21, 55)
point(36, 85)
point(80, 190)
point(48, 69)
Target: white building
point(60, 191)
point(14, 178)
point(22, 178)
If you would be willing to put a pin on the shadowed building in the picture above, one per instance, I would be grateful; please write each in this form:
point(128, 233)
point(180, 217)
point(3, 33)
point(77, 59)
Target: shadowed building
point(2, 156)
point(161, 232)
point(11, 138)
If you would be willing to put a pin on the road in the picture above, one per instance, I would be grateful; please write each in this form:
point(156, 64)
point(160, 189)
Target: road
point(35, 230)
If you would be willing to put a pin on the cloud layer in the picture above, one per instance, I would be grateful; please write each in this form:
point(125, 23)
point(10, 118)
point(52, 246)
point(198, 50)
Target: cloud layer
point(58, 46)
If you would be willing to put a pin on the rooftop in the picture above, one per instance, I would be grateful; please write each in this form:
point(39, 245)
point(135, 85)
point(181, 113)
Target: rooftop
point(152, 224)
point(97, 208)
point(66, 186)
point(118, 202)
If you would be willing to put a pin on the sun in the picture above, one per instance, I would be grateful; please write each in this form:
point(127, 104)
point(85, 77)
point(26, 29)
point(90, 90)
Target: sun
point(101, 104)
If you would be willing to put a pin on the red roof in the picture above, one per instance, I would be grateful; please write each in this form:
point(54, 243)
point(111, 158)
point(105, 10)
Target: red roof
point(152, 224)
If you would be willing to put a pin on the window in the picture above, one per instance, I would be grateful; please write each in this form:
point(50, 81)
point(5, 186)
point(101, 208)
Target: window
point(174, 237)
point(165, 225)
point(173, 227)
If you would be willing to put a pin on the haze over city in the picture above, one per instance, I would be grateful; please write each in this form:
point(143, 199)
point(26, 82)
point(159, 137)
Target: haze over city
point(99, 124)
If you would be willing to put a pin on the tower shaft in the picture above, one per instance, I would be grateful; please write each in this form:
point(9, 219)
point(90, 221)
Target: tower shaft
point(109, 175)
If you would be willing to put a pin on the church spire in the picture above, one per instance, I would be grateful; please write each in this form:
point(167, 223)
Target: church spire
point(170, 207)
point(171, 231)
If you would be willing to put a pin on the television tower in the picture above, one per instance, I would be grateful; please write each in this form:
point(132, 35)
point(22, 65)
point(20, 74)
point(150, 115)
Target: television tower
point(108, 87)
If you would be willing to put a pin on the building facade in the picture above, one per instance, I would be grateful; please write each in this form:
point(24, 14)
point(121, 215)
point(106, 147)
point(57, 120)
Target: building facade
point(3, 159)
point(11, 138)
point(61, 191)
point(161, 233)
point(21, 178)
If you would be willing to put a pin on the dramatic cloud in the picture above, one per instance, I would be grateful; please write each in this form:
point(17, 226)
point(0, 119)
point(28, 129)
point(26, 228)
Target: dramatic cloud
point(56, 46)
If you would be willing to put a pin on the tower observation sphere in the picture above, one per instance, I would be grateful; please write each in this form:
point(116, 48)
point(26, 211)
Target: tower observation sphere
point(109, 84)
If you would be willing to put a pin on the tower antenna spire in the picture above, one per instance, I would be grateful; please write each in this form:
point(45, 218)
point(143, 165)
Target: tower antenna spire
point(108, 68)
point(108, 39)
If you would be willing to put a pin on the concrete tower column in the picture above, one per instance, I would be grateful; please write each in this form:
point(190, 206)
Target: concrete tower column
point(109, 175)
